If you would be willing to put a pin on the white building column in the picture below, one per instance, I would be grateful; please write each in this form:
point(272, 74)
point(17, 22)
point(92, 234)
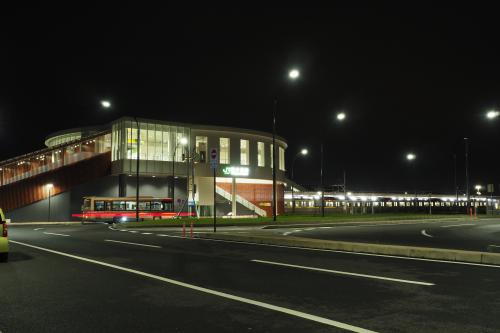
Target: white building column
point(233, 196)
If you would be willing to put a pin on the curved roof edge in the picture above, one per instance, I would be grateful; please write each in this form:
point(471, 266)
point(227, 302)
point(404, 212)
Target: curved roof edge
point(208, 127)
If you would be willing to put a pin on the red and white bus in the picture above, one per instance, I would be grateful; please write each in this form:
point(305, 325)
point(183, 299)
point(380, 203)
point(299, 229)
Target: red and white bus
point(116, 209)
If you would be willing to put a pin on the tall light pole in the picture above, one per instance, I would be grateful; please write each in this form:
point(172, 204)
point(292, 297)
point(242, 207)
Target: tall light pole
point(467, 173)
point(411, 157)
point(322, 184)
point(293, 75)
point(137, 164)
point(49, 188)
point(183, 141)
point(302, 152)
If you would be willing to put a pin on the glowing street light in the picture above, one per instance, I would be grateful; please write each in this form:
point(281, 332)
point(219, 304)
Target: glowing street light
point(294, 74)
point(183, 141)
point(106, 104)
point(492, 114)
point(411, 156)
point(341, 116)
point(304, 151)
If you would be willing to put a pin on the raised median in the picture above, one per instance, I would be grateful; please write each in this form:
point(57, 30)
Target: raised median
point(390, 250)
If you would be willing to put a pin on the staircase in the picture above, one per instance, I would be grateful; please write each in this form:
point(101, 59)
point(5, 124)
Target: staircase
point(239, 199)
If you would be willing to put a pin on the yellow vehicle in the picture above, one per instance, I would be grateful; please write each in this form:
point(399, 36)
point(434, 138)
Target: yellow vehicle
point(4, 242)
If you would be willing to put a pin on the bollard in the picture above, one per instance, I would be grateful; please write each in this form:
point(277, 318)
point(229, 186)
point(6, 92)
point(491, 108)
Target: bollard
point(475, 212)
point(470, 210)
point(191, 231)
point(184, 230)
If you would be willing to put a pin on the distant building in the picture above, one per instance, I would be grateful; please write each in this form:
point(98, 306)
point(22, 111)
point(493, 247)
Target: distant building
point(174, 162)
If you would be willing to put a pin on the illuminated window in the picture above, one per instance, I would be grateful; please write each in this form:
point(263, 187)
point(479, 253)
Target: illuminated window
point(281, 151)
point(201, 148)
point(224, 151)
point(272, 155)
point(244, 152)
point(261, 154)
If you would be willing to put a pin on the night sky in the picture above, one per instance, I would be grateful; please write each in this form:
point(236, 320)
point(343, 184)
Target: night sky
point(410, 79)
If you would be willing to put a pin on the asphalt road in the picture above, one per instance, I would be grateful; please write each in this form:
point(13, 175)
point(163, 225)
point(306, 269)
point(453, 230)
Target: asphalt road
point(475, 235)
point(93, 279)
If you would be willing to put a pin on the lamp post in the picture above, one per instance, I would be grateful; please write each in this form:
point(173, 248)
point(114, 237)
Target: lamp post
point(183, 141)
point(293, 75)
point(49, 188)
point(137, 165)
point(411, 157)
point(302, 152)
point(467, 174)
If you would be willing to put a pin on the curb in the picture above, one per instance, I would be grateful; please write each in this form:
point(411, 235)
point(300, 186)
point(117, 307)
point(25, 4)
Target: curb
point(347, 222)
point(390, 250)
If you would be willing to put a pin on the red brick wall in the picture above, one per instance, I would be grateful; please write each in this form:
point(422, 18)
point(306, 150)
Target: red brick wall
point(259, 194)
point(30, 190)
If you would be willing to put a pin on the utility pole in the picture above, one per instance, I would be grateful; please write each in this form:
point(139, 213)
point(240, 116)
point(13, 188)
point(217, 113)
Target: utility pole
point(137, 171)
point(322, 185)
point(467, 173)
point(274, 159)
point(345, 193)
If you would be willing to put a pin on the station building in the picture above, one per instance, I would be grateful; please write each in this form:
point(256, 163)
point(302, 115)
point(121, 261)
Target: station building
point(174, 162)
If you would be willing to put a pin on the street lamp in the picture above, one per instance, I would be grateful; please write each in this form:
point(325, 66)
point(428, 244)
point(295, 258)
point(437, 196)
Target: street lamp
point(411, 156)
point(49, 188)
point(478, 189)
point(492, 114)
point(106, 104)
point(302, 152)
point(293, 74)
point(183, 141)
point(341, 116)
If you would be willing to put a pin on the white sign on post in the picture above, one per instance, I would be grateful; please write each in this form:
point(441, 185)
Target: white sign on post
point(213, 158)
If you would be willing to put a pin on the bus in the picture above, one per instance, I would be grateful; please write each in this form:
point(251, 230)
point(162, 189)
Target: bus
point(123, 209)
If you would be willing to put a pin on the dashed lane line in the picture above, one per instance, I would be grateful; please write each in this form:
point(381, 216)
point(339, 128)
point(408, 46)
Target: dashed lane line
point(291, 312)
point(456, 225)
point(376, 277)
point(130, 243)
point(53, 233)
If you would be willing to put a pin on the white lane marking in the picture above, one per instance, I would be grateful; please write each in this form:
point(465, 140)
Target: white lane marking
point(146, 233)
point(423, 232)
point(353, 253)
point(494, 245)
point(268, 306)
point(172, 236)
point(455, 225)
point(138, 244)
point(122, 230)
point(287, 233)
point(309, 229)
point(134, 232)
point(325, 227)
point(53, 233)
point(36, 229)
point(377, 277)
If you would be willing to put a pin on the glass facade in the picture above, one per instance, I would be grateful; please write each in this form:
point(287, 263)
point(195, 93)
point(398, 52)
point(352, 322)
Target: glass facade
point(281, 152)
point(201, 148)
point(224, 157)
point(52, 158)
point(244, 152)
point(158, 142)
point(261, 154)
